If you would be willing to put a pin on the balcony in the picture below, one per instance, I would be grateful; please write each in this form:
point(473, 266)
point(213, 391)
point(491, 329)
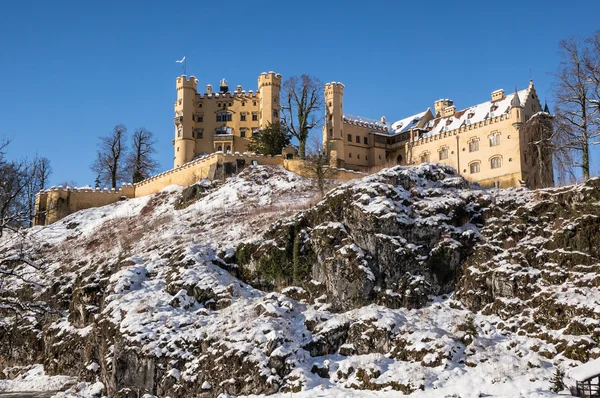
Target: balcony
point(222, 137)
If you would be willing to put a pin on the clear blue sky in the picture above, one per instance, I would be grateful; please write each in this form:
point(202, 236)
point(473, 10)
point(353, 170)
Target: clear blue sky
point(71, 70)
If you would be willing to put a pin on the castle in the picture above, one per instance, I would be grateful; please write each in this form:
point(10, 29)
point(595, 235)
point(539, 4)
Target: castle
point(224, 120)
point(485, 143)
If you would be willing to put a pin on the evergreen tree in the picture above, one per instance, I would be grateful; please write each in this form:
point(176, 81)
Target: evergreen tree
point(270, 141)
point(557, 380)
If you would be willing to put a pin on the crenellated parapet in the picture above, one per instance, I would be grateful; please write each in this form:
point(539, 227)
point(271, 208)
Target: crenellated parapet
point(269, 79)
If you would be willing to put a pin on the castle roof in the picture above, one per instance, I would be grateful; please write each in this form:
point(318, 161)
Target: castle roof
point(474, 114)
point(408, 123)
point(366, 121)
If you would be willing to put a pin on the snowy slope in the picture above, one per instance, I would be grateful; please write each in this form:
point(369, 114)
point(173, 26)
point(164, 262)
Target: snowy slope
point(141, 290)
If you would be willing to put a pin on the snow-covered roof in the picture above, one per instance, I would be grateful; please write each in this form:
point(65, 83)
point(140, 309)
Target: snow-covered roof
point(374, 123)
point(408, 123)
point(586, 371)
point(474, 114)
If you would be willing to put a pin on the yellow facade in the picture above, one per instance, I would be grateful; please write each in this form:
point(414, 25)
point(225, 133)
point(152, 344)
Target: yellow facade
point(221, 120)
point(484, 143)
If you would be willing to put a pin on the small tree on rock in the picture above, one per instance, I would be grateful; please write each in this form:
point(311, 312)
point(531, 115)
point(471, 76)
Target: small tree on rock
point(270, 141)
point(302, 107)
point(557, 380)
point(317, 164)
point(110, 158)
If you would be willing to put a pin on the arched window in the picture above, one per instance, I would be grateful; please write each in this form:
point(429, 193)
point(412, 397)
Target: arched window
point(219, 148)
point(496, 162)
point(443, 153)
point(495, 139)
point(398, 159)
point(474, 145)
point(475, 167)
point(228, 149)
point(425, 157)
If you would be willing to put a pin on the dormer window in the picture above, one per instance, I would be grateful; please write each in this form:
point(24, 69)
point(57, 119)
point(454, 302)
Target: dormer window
point(471, 114)
point(449, 122)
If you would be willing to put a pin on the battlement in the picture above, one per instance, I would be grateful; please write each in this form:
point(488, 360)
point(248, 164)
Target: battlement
point(231, 94)
point(365, 123)
point(334, 87)
point(184, 82)
point(269, 79)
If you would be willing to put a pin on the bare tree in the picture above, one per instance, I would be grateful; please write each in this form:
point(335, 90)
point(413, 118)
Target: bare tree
point(110, 158)
point(42, 171)
point(591, 62)
point(576, 128)
point(15, 184)
point(140, 164)
point(302, 108)
point(317, 164)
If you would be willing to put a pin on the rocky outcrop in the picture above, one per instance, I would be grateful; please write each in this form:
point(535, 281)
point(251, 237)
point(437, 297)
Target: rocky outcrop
point(392, 238)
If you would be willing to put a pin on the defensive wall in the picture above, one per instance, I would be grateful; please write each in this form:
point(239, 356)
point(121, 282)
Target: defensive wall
point(54, 204)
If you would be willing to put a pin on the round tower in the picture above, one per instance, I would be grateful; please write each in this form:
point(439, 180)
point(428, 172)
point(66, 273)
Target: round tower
point(333, 129)
point(183, 143)
point(269, 86)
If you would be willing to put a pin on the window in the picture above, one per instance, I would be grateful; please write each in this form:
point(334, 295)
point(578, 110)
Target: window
point(219, 148)
point(200, 105)
point(179, 131)
point(254, 103)
point(349, 155)
point(474, 146)
point(475, 167)
point(443, 153)
point(496, 162)
point(254, 116)
point(243, 133)
point(275, 113)
point(424, 158)
point(230, 104)
point(366, 141)
point(228, 148)
point(200, 118)
point(243, 117)
point(524, 157)
point(357, 156)
point(349, 137)
point(357, 139)
point(495, 139)
point(200, 133)
point(224, 117)
point(330, 117)
point(243, 103)
point(497, 184)
point(331, 132)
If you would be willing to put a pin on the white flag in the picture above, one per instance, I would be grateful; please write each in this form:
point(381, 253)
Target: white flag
point(181, 60)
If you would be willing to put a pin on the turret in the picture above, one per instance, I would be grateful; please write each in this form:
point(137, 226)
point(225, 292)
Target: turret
point(441, 105)
point(516, 111)
point(333, 128)
point(184, 111)
point(269, 86)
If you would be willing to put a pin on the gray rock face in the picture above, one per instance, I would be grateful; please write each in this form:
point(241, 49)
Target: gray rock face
point(392, 238)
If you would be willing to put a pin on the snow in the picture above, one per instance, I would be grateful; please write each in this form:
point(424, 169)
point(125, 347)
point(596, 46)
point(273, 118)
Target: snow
point(35, 379)
point(151, 300)
point(479, 113)
point(586, 371)
point(407, 123)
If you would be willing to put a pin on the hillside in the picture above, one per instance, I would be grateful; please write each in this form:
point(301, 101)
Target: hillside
point(409, 280)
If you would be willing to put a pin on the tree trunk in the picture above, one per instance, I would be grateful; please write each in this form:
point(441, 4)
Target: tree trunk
point(585, 161)
point(302, 149)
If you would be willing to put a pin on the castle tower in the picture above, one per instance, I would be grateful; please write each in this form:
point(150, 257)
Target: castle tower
point(183, 144)
point(440, 105)
point(517, 113)
point(333, 130)
point(269, 86)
